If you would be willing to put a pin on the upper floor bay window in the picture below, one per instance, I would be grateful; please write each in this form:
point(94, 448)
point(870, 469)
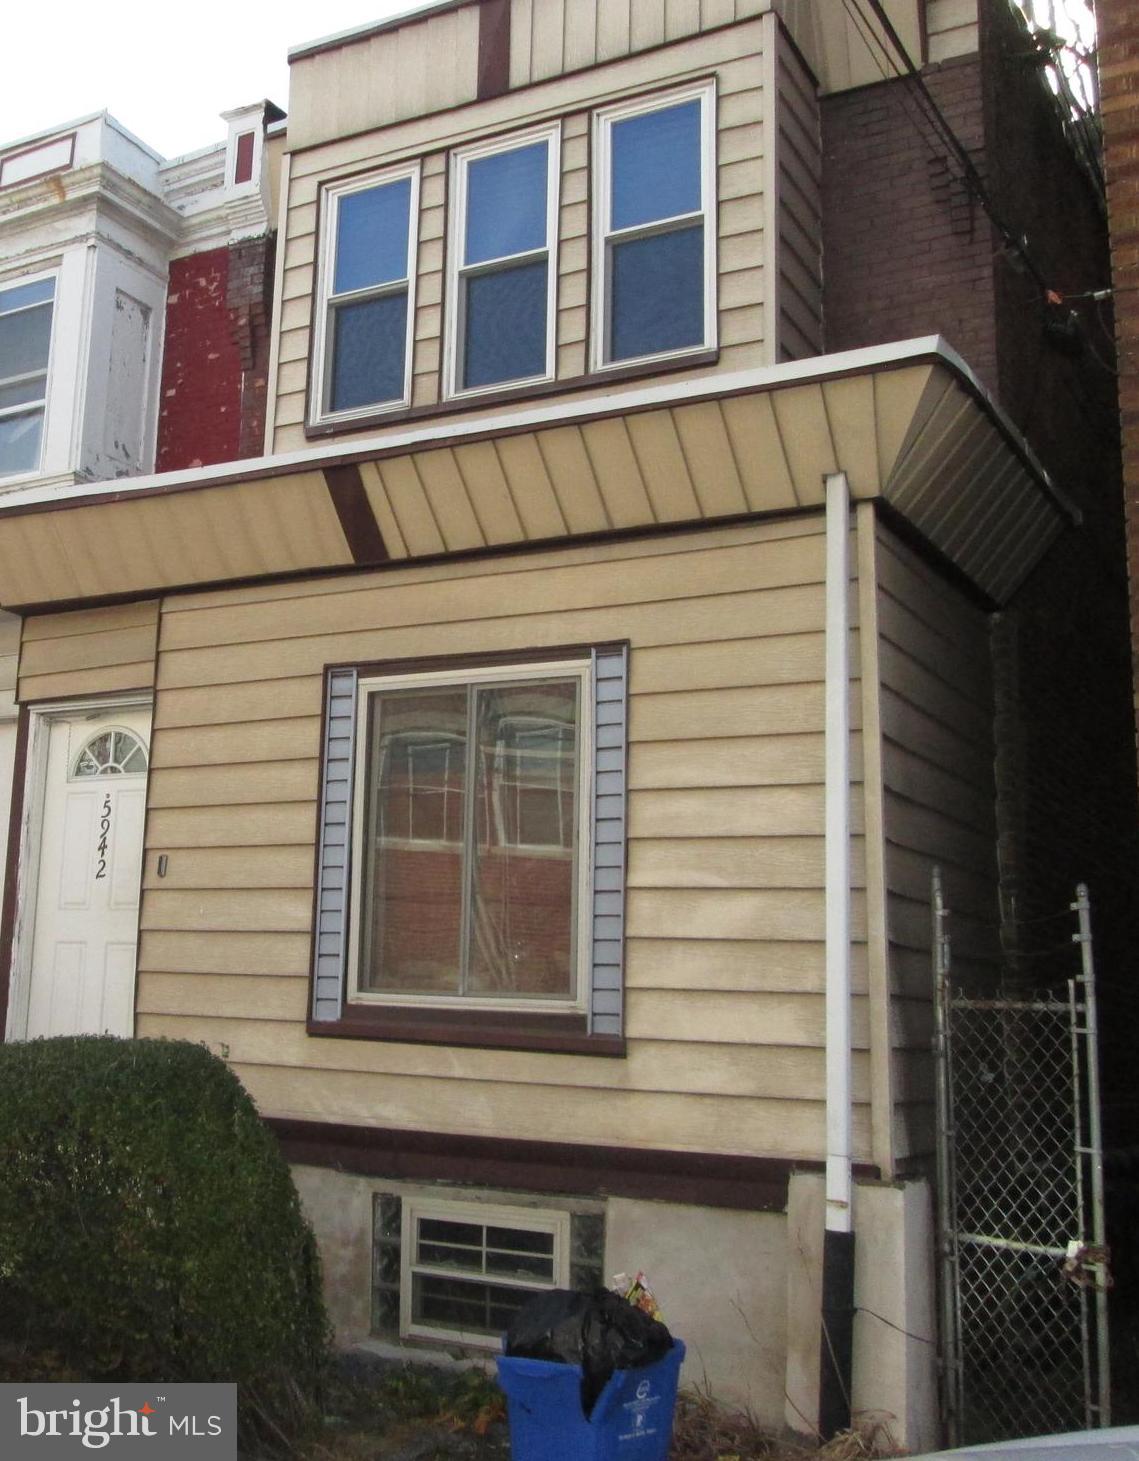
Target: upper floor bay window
point(366, 295)
point(25, 343)
point(654, 227)
point(503, 265)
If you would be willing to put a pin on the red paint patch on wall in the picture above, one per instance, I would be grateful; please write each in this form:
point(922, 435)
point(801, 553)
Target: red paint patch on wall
point(199, 419)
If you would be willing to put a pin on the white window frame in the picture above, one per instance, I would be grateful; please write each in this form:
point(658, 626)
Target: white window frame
point(581, 953)
point(458, 272)
point(18, 282)
point(326, 300)
point(603, 121)
point(528, 1219)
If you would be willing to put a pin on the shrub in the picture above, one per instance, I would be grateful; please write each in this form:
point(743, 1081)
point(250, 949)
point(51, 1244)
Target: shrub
point(149, 1227)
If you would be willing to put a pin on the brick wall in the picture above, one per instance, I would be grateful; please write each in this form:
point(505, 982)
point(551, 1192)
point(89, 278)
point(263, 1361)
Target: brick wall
point(906, 251)
point(1119, 89)
point(215, 361)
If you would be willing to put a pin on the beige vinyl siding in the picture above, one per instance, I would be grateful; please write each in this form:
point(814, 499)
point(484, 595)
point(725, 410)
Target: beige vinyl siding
point(432, 64)
point(733, 55)
point(952, 28)
point(799, 208)
point(833, 38)
point(9, 662)
point(939, 796)
point(427, 349)
point(573, 249)
point(725, 911)
point(88, 652)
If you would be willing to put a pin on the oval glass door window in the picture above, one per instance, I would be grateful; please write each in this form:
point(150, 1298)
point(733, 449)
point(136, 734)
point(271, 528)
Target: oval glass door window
point(111, 752)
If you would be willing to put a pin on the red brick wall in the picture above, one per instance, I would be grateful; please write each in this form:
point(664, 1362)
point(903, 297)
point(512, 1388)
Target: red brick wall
point(1119, 89)
point(214, 367)
point(906, 251)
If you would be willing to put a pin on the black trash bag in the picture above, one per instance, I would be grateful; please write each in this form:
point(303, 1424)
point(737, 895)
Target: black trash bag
point(599, 1331)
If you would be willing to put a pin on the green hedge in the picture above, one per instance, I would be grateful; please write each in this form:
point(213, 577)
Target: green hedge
point(149, 1227)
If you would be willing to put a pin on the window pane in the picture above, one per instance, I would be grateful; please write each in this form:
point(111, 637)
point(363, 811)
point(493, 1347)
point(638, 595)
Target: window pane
point(464, 1304)
point(20, 442)
point(24, 294)
point(369, 343)
point(32, 389)
point(656, 165)
point(24, 341)
point(371, 236)
point(412, 893)
point(506, 203)
point(506, 325)
point(523, 895)
point(657, 299)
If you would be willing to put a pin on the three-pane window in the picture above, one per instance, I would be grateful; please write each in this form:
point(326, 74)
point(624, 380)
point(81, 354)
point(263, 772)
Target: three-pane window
point(654, 243)
point(25, 343)
point(366, 320)
point(504, 265)
point(653, 259)
point(471, 814)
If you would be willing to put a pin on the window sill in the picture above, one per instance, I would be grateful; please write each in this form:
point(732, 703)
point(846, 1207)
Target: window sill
point(511, 395)
point(478, 1029)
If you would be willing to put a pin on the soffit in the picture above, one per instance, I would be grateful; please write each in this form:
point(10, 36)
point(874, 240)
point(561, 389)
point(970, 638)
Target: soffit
point(917, 435)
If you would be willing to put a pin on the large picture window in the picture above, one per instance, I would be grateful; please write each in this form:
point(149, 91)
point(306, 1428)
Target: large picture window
point(503, 273)
point(25, 343)
point(654, 227)
point(471, 862)
point(365, 314)
point(470, 819)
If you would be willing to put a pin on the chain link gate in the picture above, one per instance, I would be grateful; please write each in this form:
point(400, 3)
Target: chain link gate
point(1023, 1281)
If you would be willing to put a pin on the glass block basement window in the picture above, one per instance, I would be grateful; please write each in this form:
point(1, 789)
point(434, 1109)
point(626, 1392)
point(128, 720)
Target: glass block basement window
point(459, 1272)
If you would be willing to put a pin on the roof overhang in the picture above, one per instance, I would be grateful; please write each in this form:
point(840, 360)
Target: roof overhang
point(908, 424)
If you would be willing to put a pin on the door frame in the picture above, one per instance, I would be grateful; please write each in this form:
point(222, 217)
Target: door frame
point(41, 718)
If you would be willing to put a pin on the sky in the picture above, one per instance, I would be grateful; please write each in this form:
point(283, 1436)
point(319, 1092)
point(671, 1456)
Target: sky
point(164, 68)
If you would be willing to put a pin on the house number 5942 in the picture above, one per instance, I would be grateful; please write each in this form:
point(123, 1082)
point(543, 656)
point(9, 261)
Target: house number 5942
point(104, 835)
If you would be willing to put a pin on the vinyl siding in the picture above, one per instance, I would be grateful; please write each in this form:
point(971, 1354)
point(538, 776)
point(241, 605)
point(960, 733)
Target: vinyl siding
point(88, 652)
point(725, 905)
point(798, 207)
point(734, 55)
point(936, 704)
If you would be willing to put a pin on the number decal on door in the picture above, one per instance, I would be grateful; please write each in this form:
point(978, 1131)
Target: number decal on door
point(104, 835)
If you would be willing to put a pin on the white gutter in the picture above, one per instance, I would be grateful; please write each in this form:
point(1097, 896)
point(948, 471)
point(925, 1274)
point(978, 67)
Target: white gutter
point(838, 1066)
point(449, 429)
point(836, 1318)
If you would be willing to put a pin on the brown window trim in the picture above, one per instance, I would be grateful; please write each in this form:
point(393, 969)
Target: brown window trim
point(697, 360)
point(480, 1029)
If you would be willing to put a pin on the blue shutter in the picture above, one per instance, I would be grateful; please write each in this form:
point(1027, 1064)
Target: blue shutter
point(610, 683)
point(333, 863)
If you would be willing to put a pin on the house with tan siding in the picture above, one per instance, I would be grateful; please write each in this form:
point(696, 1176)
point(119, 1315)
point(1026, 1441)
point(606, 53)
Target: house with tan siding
point(535, 761)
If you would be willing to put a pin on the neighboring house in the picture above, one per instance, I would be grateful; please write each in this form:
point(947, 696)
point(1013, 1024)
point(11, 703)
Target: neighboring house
point(485, 742)
point(134, 296)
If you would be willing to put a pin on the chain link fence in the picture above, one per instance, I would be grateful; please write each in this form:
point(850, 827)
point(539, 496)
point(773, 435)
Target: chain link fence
point(1020, 1205)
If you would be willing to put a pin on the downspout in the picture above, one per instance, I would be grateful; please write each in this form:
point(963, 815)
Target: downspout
point(837, 1316)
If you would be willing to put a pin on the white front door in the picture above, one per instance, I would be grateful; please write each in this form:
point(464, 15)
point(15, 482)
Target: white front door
point(87, 888)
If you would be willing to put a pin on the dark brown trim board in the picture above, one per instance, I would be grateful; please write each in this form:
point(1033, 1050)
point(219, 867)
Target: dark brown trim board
point(350, 499)
point(15, 826)
point(754, 1184)
point(477, 1029)
point(494, 48)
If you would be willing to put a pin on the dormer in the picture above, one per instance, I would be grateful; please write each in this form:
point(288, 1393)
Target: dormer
point(490, 201)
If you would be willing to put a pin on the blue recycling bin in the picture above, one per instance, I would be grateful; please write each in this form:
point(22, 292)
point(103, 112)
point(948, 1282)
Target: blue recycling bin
point(632, 1420)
